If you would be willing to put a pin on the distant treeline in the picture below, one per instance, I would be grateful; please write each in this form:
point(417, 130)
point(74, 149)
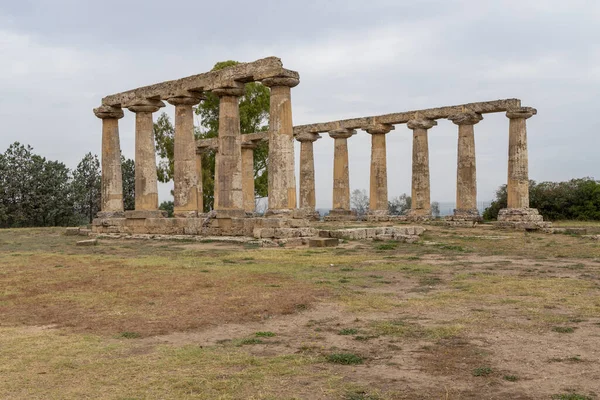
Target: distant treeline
point(577, 199)
point(35, 191)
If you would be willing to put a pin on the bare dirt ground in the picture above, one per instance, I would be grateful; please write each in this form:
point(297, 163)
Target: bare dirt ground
point(463, 314)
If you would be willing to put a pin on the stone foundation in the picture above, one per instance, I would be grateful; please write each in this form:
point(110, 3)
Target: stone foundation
point(521, 218)
point(341, 215)
point(464, 218)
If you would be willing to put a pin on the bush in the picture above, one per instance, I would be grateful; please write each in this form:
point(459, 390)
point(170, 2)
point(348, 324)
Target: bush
point(577, 199)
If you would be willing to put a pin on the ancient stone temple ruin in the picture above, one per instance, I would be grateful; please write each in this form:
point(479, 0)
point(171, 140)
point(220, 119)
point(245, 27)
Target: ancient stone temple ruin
point(286, 215)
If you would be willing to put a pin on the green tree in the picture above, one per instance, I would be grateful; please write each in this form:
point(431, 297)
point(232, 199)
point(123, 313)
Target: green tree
point(128, 172)
point(399, 205)
point(167, 206)
point(87, 187)
point(574, 199)
point(254, 114)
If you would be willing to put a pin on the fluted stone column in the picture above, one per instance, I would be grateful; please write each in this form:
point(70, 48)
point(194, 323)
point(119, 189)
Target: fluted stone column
point(146, 182)
point(378, 194)
point(282, 178)
point(421, 198)
point(186, 189)
point(518, 164)
point(200, 190)
point(229, 197)
point(518, 214)
point(307, 174)
point(248, 176)
point(466, 176)
point(341, 173)
point(112, 178)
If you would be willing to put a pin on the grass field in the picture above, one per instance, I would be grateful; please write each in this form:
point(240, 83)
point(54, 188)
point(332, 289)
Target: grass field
point(462, 314)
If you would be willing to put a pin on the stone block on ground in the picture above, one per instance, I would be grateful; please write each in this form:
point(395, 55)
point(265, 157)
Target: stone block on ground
point(89, 242)
point(72, 231)
point(323, 242)
point(84, 232)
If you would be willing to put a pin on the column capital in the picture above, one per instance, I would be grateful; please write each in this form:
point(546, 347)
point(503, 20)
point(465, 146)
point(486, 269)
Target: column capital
point(249, 144)
point(523, 112)
point(342, 133)
point(307, 137)
point(421, 123)
point(281, 81)
point(465, 118)
point(108, 112)
point(235, 89)
point(379, 129)
point(146, 105)
point(186, 100)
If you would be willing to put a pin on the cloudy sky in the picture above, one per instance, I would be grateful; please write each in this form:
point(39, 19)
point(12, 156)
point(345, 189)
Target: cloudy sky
point(58, 58)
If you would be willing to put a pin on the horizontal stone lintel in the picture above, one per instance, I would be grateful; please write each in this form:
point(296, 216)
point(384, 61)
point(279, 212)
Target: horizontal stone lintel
point(255, 71)
point(484, 107)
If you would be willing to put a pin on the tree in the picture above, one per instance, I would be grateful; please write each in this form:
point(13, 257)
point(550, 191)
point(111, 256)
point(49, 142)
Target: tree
point(359, 201)
point(254, 114)
point(167, 206)
point(435, 209)
point(400, 205)
point(574, 199)
point(128, 172)
point(87, 187)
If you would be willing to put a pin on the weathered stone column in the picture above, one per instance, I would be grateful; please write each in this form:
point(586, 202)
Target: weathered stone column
point(466, 176)
point(282, 178)
point(518, 214)
point(186, 189)
point(200, 190)
point(421, 199)
point(229, 198)
point(518, 164)
point(112, 178)
point(146, 182)
point(378, 194)
point(248, 176)
point(307, 174)
point(341, 174)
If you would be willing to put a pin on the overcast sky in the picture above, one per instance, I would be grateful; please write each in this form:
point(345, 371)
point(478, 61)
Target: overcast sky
point(58, 58)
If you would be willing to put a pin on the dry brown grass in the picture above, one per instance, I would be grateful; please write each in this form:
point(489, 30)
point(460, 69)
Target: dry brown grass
point(139, 319)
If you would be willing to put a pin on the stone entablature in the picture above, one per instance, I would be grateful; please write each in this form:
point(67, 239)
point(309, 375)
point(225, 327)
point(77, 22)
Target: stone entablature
point(256, 71)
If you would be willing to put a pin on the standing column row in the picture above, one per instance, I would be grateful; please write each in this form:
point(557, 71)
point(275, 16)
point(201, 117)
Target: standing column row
point(307, 175)
point(341, 173)
point(378, 185)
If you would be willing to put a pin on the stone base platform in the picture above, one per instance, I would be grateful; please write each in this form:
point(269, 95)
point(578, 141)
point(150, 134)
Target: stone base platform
point(341, 215)
point(463, 218)
point(211, 224)
point(521, 218)
point(409, 234)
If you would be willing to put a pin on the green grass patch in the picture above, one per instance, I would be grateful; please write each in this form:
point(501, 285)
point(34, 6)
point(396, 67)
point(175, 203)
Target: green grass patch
point(511, 378)
point(348, 331)
point(482, 371)
point(563, 329)
point(129, 335)
point(345, 358)
point(265, 334)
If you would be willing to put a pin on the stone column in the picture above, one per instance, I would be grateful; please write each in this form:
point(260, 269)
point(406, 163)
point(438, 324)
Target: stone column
point(146, 182)
point(518, 214)
point(341, 174)
point(518, 164)
point(229, 198)
point(112, 178)
point(378, 194)
point(248, 176)
point(200, 190)
point(421, 201)
point(307, 174)
point(186, 189)
point(282, 178)
point(466, 177)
